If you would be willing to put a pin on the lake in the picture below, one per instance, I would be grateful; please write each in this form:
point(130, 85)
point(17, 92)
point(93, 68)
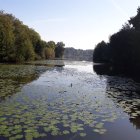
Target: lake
point(67, 100)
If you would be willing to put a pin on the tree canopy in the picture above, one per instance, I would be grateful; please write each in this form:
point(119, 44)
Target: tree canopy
point(123, 47)
point(59, 50)
point(19, 43)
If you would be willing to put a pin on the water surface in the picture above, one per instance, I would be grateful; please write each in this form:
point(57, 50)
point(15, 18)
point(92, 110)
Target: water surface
point(67, 102)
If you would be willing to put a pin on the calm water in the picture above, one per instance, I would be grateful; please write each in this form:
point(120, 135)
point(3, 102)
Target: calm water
point(67, 103)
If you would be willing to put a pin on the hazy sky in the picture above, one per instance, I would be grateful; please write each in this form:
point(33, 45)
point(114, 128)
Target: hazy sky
point(78, 23)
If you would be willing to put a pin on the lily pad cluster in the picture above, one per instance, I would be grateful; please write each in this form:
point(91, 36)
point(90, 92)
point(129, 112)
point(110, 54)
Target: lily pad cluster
point(28, 116)
point(125, 95)
point(47, 63)
point(15, 71)
point(7, 88)
point(12, 77)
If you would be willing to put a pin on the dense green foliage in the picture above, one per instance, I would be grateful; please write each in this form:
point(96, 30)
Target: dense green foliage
point(123, 47)
point(59, 50)
point(19, 43)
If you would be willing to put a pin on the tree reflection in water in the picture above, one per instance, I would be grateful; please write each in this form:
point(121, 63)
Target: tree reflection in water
point(124, 91)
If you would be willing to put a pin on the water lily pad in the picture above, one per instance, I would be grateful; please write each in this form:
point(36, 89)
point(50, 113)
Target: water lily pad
point(18, 136)
point(99, 125)
point(82, 134)
point(28, 136)
point(65, 132)
point(54, 133)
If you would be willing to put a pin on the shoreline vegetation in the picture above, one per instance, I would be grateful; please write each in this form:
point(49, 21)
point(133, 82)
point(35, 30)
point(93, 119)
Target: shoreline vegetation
point(123, 48)
point(19, 43)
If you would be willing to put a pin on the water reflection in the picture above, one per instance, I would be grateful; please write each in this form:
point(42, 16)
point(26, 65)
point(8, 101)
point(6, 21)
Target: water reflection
point(124, 92)
point(13, 77)
point(106, 69)
point(70, 103)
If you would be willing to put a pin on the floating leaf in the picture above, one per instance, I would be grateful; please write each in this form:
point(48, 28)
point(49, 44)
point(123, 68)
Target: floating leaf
point(82, 134)
point(65, 132)
point(18, 136)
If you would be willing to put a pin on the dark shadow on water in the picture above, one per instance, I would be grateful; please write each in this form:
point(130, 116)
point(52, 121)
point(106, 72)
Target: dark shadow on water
point(110, 70)
point(125, 93)
point(123, 87)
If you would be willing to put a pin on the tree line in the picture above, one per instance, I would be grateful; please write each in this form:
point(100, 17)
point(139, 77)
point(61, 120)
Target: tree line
point(123, 47)
point(19, 43)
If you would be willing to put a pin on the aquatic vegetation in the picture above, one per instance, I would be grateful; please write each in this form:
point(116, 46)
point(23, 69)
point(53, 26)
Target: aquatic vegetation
point(35, 114)
point(16, 71)
point(47, 63)
point(65, 132)
point(8, 87)
point(51, 107)
point(82, 134)
point(125, 96)
point(12, 77)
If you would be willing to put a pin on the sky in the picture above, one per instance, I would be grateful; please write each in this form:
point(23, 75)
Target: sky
point(78, 23)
